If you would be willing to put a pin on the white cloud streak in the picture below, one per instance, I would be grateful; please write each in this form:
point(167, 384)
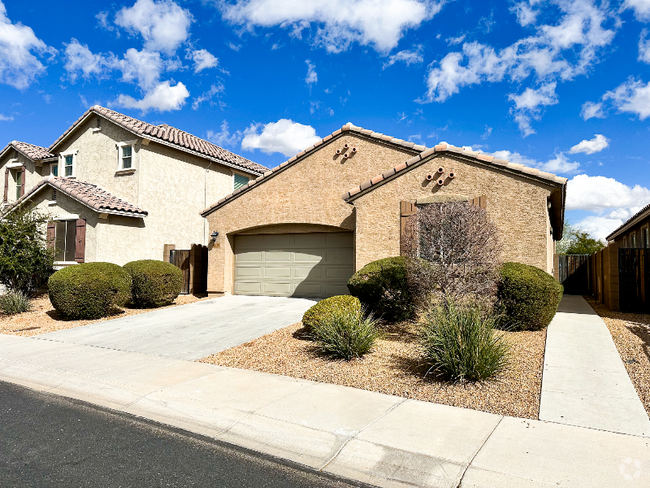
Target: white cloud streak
point(224, 138)
point(597, 144)
point(163, 98)
point(337, 23)
point(559, 164)
point(284, 136)
point(312, 76)
point(406, 56)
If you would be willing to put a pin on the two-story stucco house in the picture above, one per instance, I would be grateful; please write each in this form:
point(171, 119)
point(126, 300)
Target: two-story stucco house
point(303, 228)
point(118, 189)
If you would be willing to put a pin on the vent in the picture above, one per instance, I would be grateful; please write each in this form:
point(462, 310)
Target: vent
point(54, 195)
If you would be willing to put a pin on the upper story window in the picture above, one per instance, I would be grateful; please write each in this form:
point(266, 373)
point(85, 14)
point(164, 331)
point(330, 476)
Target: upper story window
point(69, 163)
point(126, 157)
point(645, 238)
point(54, 169)
point(240, 181)
point(633, 238)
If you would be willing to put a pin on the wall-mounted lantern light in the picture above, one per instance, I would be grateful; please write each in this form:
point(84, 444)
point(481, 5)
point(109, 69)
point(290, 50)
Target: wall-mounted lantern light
point(214, 236)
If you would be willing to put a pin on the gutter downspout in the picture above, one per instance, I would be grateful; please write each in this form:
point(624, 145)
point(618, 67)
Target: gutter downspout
point(205, 202)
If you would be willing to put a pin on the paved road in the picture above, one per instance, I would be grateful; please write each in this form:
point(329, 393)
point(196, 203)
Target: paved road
point(191, 331)
point(46, 440)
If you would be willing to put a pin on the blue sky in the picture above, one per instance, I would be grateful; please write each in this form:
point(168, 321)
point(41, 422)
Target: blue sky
point(559, 85)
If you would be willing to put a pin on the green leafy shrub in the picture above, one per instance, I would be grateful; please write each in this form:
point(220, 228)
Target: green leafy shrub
point(382, 287)
point(346, 333)
point(89, 291)
point(313, 317)
point(461, 343)
point(527, 296)
point(25, 260)
point(154, 283)
point(14, 302)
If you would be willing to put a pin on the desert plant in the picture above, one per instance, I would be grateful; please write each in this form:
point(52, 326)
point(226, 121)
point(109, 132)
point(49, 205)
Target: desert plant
point(14, 302)
point(460, 343)
point(382, 287)
point(25, 260)
point(154, 283)
point(455, 253)
point(346, 333)
point(89, 291)
point(313, 317)
point(527, 296)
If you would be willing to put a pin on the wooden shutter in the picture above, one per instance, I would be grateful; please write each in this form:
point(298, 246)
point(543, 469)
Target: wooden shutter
point(80, 241)
point(6, 185)
point(406, 210)
point(51, 234)
point(22, 181)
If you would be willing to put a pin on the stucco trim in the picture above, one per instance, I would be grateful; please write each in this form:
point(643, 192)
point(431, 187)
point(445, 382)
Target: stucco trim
point(376, 137)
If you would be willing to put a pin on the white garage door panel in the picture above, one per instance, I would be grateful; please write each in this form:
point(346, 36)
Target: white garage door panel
point(306, 265)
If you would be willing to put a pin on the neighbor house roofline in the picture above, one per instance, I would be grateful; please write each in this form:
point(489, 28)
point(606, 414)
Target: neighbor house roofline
point(631, 222)
point(349, 127)
point(167, 136)
point(88, 194)
point(30, 151)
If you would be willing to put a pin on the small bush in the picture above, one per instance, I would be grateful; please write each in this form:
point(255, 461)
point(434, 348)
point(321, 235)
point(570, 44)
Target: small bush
point(346, 333)
point(461, 344)
point(154, 283)
point(527, 296)
point(313, 317)
point(89, 291)
point(14, 302)
point(382, 287)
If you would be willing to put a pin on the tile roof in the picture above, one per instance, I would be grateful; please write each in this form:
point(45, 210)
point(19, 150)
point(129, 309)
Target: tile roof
point(88, 194)
point(30, 151)
point(443, 147)
point(349, 127)
point(171, 136)
point(644, 212)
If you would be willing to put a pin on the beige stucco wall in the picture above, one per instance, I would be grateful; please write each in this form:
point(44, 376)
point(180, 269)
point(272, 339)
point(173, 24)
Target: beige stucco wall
point(33, 174)
point(172, 186)
point(308, 192)
point(517, 205)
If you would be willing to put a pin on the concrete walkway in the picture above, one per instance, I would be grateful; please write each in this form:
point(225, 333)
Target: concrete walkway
point(190, 331)
point(380, 439)
point(585, 382)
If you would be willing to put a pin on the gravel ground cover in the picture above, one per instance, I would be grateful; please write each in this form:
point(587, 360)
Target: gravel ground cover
point(395, 368)
point(43, 318)
point(631, 334)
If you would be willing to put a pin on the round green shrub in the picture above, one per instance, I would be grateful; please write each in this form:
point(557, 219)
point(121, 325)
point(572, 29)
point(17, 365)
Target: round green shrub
point(90, 290)
point(527, 296)
point(325, 308)
point(382, 287)
point(154, 283)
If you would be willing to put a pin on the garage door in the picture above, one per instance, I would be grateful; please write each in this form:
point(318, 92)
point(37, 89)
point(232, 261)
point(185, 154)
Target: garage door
point(299, 265)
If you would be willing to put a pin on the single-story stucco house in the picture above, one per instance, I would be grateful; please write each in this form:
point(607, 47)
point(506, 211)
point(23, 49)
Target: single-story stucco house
point(304, 227)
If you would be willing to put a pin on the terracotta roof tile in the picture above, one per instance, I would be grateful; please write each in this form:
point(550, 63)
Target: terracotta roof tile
point(30, 151)
point(89, 194)
point(184, 140)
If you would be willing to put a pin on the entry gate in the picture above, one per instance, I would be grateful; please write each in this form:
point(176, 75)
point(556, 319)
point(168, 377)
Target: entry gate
point(573, 272)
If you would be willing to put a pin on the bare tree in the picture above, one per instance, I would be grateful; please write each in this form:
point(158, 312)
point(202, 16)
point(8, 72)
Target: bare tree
point(455, 253)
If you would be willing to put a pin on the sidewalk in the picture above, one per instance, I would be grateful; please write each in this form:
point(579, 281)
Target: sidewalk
point(375, 438)
point(585, 382)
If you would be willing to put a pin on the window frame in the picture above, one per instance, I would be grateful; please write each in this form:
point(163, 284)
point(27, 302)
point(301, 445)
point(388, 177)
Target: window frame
point(67, 220)
point(73, 166)
point(120, 155)
point(645, 237)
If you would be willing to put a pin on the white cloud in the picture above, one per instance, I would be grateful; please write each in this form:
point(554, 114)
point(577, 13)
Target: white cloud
point(19, 66)
point(641, 8)
point(452, 41)
point(337, 23)
point(487, 133)
point(80, 60)
point(559, 164)
point(284, 136)
point(525, 13)
point(405, 56)
point(599, 193)
point(163, 25)
point(208, 96)
point(162, 98)
point(6, 118)
point(312, 76)
point(528, 105)
point(633, 96)
point(599, 226)
point(644, 47)
point(142, 67)
point(597, 144)
point(591, 109)
point(203, 60)
point(224, 138)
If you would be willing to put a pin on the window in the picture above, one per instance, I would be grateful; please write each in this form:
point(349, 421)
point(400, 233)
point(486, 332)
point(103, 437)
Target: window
point(64, 240)
point(19, 185)
point(68, 165)
point(54, 169)
point(126, 156)
point(633, 236)
point(240, 181)
point(645, 238)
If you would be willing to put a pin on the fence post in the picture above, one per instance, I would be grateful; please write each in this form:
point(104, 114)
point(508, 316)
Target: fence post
point(167, 248)
point(556, 266)
point(613, 291)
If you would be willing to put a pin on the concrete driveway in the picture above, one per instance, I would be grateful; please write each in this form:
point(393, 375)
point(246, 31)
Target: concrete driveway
point(190, 331)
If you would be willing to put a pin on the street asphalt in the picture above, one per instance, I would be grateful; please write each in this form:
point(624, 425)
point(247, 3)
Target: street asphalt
point(51, 441)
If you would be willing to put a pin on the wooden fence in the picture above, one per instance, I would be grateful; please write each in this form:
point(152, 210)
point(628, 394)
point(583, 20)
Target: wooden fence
point(193, 263)
point(634, 278)
point(573, 273)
